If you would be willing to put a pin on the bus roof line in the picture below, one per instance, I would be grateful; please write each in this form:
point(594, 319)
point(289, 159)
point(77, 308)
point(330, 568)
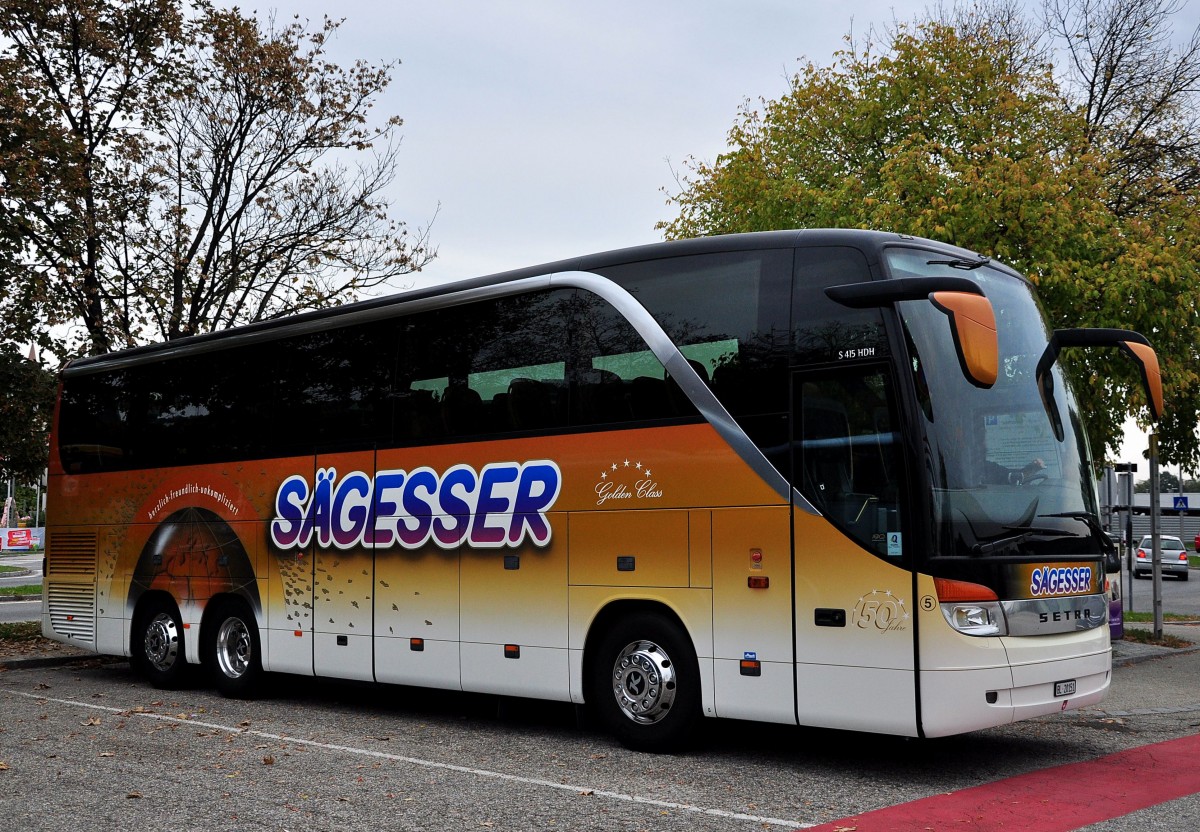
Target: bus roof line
point(228, 339)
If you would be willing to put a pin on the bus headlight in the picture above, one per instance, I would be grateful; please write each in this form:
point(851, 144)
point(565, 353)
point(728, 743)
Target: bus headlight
point(976, 618)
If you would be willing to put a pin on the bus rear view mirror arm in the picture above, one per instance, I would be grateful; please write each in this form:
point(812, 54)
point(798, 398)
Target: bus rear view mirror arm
point(972, 320)
point(1133, 344)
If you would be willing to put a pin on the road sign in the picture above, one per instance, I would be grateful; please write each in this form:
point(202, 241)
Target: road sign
point(1181, 503)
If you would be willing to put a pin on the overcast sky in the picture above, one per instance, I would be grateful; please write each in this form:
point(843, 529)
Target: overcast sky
point(549, 129)
point(546, 130)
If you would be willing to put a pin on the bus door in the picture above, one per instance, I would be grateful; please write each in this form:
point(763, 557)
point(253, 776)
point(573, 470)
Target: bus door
point(853, 585)
point(344, 578)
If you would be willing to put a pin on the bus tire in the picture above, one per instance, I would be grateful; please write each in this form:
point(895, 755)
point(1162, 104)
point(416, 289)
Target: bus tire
point(232, 652)
point(157, 648)
point(645, 684)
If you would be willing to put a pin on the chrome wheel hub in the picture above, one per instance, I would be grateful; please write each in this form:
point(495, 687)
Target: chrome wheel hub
point(644, 682)
point(161, 642)
point(234, 647)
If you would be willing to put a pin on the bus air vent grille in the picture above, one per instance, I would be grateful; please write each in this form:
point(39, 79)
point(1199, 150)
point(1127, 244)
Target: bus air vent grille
point(72, 610)
point(71, 553)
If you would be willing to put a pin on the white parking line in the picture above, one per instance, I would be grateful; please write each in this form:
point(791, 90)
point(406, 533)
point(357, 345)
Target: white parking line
point(417, 761)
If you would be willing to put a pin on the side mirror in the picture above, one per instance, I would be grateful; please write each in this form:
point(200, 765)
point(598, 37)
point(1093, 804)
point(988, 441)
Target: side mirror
point(1112, 562)
point(970, 314)
point(1133, 344)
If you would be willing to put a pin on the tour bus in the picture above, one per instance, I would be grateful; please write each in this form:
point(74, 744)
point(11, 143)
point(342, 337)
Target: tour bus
point(817, 477)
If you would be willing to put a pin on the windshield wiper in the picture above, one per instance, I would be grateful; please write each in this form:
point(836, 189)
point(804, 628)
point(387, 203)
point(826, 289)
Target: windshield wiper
point(1026, 532)
point(1002, 543)
point(960, 263)
point(1092, 521)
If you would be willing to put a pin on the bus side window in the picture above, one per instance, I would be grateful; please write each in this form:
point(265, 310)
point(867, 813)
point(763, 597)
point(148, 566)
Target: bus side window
point(847, 452)
point(828, 462)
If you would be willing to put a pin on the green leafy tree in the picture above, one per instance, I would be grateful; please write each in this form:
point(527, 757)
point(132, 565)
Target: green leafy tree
point(958, 134)
point(27, 394)
point(1137, 87)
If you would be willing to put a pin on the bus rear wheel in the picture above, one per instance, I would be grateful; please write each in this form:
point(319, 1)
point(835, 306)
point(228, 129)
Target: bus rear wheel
point(646, 685)
point(232, 651)
point(157, 646)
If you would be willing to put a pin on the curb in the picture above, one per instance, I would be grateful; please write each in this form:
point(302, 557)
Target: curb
point(1159, 652)
point(4, 598)
point(56, 661)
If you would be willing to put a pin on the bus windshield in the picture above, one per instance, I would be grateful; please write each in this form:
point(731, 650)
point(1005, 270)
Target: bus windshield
point(1003, 484)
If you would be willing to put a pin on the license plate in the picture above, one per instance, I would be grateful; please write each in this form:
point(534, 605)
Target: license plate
point(1066, 688)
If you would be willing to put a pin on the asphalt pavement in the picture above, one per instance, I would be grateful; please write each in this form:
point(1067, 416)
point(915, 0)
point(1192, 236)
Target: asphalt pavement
point(90, 741)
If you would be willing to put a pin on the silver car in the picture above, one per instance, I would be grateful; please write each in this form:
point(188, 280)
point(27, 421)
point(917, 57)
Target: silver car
point(1172, 555)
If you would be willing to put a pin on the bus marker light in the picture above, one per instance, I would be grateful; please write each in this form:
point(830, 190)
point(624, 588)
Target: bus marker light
point(758, 582)
point(512, 651)
point(416, 645)
point(948, 591)
point(298, 633)
point(756, 558)
point(751, 667)
point(187, 626)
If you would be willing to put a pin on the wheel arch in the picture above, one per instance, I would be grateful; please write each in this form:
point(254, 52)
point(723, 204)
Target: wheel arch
point(618, 608)
point(193, 555)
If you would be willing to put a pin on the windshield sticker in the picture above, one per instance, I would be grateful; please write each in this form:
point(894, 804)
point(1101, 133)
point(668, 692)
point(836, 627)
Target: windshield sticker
point(499, 506)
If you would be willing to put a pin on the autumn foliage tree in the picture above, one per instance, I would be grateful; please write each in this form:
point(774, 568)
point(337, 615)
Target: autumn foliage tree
point(953, 132)
point(170, 169)
point(76, 77)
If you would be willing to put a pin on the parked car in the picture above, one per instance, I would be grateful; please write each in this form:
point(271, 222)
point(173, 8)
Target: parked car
point(1172, 556)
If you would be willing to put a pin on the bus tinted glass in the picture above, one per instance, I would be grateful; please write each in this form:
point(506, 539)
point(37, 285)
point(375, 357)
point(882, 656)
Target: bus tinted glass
point(536, 362)
point(1003, 485)
point(728, 313)
point(826, 331)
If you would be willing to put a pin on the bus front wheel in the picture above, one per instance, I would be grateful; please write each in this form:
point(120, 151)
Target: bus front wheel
point(158, 645)
point(645, 683)
point(232, 652)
